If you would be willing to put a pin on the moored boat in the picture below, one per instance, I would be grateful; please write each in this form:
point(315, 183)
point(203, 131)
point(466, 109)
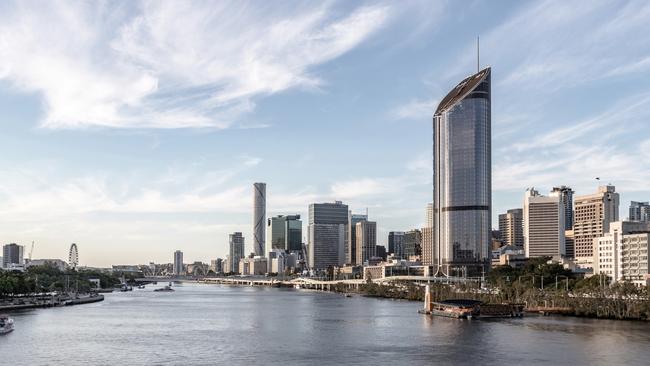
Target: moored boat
point(6, 324)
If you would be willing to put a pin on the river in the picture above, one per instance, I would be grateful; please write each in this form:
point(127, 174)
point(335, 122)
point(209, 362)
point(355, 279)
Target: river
point(211, 324)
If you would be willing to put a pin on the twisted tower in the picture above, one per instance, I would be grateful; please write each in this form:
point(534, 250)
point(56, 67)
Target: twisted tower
point(259, 218)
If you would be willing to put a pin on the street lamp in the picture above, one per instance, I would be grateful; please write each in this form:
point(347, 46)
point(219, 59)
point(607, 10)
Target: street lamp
point(567, 281)
point(525, 277)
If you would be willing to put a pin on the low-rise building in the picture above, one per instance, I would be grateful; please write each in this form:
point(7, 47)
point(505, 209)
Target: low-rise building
point(622, 253)
point(253, 266)
point(509, 255)
point(58, 263)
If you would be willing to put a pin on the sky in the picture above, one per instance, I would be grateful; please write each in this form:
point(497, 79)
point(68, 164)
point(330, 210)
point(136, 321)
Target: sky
point(135, 128)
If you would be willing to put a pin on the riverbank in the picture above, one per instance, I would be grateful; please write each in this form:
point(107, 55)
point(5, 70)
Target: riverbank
point(40, 303)
point(582, 305)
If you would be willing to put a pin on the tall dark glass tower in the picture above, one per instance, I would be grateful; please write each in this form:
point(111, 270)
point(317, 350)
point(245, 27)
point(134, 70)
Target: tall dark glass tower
point(462, 180)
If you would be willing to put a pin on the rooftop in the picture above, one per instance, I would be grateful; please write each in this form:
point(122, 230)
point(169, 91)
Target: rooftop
point(462, 89)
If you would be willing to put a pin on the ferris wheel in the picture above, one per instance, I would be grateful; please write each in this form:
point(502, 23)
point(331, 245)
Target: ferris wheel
point(73, 256)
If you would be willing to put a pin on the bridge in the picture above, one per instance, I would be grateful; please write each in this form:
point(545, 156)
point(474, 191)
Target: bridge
point(308, 283)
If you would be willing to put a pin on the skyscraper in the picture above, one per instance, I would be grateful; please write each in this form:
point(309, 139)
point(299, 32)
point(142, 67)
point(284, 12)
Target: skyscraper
point(412, 243)
point(511, 227)
point(639, 211)
point(428, 249)
point(566, 196)
point(284, 233)
point(366, 241)
point(462, 181)
point(327, 232)
point(259, 218)
point(395, 243)
point(593, 214)
point(178, 263)
point(236, 250)
point(351, 243)
point(543, 225)
point(428, 218)
point(12, 255)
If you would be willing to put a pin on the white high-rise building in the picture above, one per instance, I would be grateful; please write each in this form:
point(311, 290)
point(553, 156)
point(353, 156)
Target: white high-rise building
point(593, 214)
point(259, 218)
point(351, 237)
point(622, 252)
point(366, 240)
point(428, 218)
point(543, 225)
point(178, 263)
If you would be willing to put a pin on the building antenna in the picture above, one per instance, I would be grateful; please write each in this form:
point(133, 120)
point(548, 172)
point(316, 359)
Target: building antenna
point(478, 53)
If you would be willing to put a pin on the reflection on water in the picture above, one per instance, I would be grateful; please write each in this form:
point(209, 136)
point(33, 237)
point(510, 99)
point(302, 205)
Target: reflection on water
point(205, 324)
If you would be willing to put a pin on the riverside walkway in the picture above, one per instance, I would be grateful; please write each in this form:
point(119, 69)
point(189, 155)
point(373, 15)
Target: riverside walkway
point(305, 282)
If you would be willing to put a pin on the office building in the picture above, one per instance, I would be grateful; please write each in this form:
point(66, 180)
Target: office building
point(284, 233)
point(462, 181)
point(428, 218)
point(178, 263)
point(396, 243)
point(351, 243)
point(327, 235)
point(12, 256)
point(259, 218)
point(511, 227)
point(543, 225)
point(216, 265)
point(253, 266)
point(236, 250)
point(593, 214)
point(428, 249)
point(226, 264)
point(381, 252)
point(566, 196)
point(639, 211)
point(622, 252)
point(569, 244)
point(366, 241)
point(412, 244)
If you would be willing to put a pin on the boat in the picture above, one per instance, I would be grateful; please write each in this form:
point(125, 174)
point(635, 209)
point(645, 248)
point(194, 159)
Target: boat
point(126, 288)
point(348, 295)
point(456, 308)
point(164, 289)
point(6, 324)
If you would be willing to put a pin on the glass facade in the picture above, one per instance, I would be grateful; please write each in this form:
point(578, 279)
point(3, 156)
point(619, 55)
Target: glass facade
point(285, 233)
point(328, 229)
point(462, 178)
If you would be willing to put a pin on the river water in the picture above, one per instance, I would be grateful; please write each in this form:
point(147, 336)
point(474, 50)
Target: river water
point(210, 324)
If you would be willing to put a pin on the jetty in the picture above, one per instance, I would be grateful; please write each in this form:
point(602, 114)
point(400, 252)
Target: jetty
point(469, 309)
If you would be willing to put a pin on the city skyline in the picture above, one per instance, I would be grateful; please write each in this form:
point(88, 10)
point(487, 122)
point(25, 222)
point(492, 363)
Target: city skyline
point(133, 174)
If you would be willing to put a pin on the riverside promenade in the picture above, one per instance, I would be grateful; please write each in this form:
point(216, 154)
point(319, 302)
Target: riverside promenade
point(39, 302)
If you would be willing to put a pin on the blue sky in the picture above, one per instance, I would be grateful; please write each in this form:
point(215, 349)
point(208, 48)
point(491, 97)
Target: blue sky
point(138, 128)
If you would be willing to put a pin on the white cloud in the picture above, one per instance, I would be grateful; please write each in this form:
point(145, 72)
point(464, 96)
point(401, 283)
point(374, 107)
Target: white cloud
point(550, 45)
point(168, 64)
point(578, 153)
point(365, 187)
point(415, 109)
